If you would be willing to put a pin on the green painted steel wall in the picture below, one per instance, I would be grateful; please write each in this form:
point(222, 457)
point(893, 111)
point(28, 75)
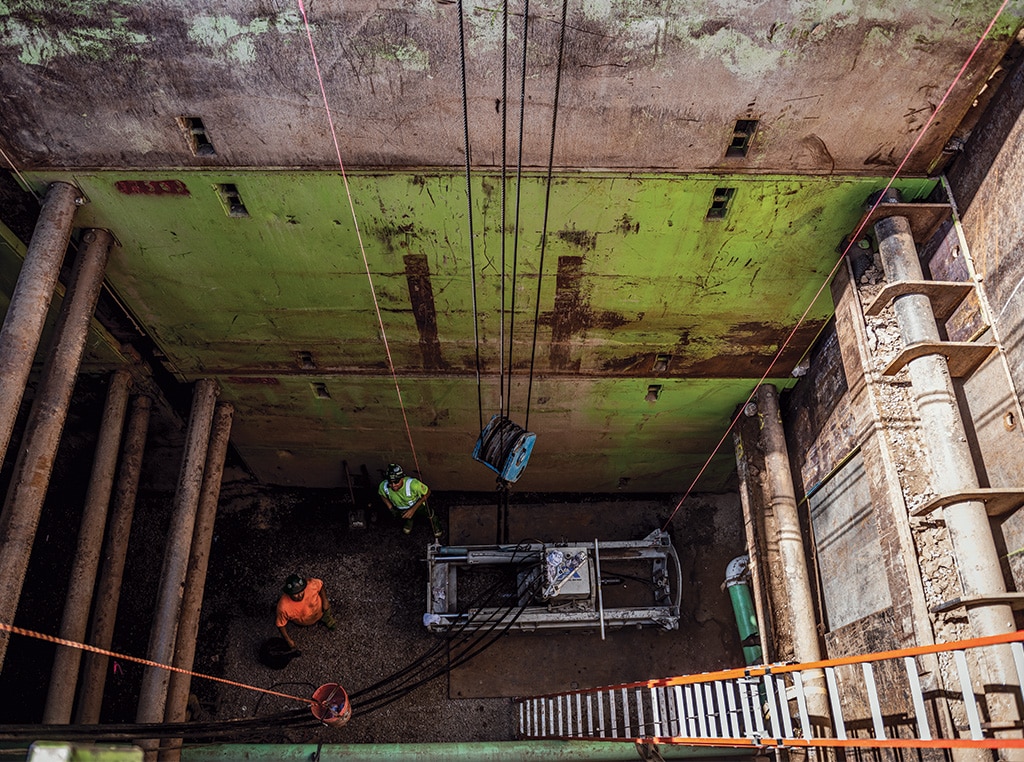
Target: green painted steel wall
point(632, 269)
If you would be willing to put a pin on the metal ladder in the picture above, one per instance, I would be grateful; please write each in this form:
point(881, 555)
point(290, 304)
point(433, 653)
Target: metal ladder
point(767, 705)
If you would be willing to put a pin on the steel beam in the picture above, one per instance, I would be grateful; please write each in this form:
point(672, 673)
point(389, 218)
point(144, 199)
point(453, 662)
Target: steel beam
point(32, 469)
point(108, 590)
point(23, 323)
point(64, 676)
point(164, 628)
point(195, 579)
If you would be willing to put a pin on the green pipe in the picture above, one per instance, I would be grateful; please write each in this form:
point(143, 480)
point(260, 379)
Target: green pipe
point(743, 608)
point(504, 751)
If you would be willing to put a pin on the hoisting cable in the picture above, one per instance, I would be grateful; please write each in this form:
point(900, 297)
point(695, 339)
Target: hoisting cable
point(469, 212)
point(547, 205)
point(515, 228)
point(359, 235)
point(842, 257)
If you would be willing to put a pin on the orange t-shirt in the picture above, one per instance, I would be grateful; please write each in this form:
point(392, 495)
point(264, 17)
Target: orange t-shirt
point(307, 611)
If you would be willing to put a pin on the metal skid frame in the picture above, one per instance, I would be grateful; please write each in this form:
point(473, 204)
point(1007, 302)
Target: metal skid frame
point(527, 611)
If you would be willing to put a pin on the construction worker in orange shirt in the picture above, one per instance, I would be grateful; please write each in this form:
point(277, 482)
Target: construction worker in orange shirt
point(304, 602)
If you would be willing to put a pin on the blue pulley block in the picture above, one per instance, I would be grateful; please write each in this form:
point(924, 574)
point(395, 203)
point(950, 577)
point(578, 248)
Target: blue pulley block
point(504, 448)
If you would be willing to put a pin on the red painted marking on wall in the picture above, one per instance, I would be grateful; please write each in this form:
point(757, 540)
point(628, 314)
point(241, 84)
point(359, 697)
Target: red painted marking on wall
point(152, 187)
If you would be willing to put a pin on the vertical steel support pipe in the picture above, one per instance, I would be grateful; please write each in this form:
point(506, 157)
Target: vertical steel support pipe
point(164, 629)
point(952, 465)
point(782, 497)
point(23, 324)
point(108, 589)
point(195, 579)
point(34, 464)
point(61, 693)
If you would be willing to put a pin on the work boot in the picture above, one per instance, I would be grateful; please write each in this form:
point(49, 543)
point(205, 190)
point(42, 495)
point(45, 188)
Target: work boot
point(329, 621)
point(435, 524)
point(407, 529)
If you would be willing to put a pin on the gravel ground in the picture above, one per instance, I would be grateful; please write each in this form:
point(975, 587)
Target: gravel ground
point(375, 579)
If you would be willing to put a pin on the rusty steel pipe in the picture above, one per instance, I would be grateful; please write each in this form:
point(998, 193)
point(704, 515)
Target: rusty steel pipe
point(195, 579)
point(115, 549)
point(32, 469)
point(23, 324)
point(952, 466)
point(164, 628)
point(64, 675)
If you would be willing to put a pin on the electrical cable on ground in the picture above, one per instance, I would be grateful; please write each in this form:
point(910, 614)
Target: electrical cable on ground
point(842, 257)
point(470, 646)
point(476, 646)
point(441, 650)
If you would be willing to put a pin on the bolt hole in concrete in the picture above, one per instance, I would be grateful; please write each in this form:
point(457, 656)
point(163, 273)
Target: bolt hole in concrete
point(1010, 420)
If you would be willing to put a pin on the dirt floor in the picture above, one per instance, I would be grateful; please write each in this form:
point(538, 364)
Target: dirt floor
point(376, 578)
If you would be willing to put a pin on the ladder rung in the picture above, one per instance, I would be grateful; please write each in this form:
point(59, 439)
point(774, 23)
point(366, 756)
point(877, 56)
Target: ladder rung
point(801, 704)
point(876, 708)
point(702, 717)
point(787, 719)
point(773, 705)
point(837, 708)
point(923, 730)
point(721, 713)
point(745, 705)
point(733, 710)
point(655, 714)
point(970, 705)
point(674, 709)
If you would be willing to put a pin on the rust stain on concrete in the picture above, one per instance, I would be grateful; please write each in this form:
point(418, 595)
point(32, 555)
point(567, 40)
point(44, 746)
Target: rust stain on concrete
point(572, 311)
point(421, 296)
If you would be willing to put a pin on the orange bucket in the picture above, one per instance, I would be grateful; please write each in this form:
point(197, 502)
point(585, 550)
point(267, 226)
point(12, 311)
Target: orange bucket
point(332, 706)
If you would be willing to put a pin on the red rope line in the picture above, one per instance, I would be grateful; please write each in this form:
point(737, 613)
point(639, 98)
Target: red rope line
point(4, 627)
point(359, 235)
point(842, 257)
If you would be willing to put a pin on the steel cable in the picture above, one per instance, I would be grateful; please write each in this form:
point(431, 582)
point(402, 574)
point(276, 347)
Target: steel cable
point(518, 204)
point(547, 206)
point(469, 211)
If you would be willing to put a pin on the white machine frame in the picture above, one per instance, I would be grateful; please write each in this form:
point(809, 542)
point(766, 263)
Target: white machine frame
point(552, 595)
